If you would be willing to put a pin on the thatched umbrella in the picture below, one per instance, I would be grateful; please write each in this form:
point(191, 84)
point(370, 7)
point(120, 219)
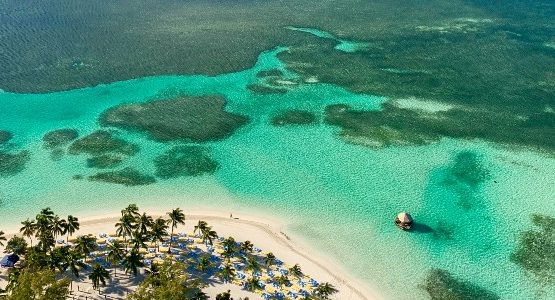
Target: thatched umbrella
point(404, 220)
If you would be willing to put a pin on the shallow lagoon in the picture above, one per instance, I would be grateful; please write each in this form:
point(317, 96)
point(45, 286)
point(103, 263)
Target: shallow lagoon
point(471, 198)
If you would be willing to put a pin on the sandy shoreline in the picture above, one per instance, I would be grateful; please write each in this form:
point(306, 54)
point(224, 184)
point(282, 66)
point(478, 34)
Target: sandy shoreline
point(264, 232)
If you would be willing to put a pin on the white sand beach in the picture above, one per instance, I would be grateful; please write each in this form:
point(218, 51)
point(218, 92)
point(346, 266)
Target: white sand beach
point(264, 233)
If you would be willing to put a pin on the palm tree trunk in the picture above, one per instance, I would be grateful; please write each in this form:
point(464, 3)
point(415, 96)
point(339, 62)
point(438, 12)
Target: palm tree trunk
point(171, 240)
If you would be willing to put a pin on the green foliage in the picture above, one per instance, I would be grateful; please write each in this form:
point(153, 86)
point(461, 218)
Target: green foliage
point(324, 291)
point(98, 276)
point(17, 245)
point(293, 117)
point(102, 142)
point(12, 164)
point(185, 161)
point(441, 285)
point(170, 282)
point(198, 119)
point(224, 296)
point(127, 176)
point(39, 284)
point(535, 251)
point(59, 137)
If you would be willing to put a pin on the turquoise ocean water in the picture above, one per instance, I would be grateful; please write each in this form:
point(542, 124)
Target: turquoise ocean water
point(339, 197)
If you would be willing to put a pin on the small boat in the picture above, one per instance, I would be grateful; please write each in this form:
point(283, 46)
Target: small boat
point(403, 220)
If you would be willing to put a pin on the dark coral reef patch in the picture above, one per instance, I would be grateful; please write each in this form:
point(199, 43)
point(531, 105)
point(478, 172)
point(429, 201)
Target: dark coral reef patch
point(198, 119)
point(441, 285)
point(5, 136)
point(102, 142)
point(104, 161)
point(12, 164)
point(265, 89)
point(185, 161)
point(293, 117)
point(270, 73)
point(535, 251)
point(127, 176)
point(59, 137)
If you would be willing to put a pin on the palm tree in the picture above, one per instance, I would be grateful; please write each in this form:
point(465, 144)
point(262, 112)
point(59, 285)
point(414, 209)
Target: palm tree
point(228, 254)
point(115, 254)
point(204, 263)
point(73, 261)
point(125, 227)
point(85, 244)
point(138, 240)
point(153, 270)
point(227, 273)
point(158, 231)
point(296, 270)
point(229, 243)
point(247, 247)
point(72, 225)
point(132, 262)
point(44, 228)
point(2, 238)
point(200, 227)
point(252, 265)
point(28, 229)
point(199, 295)
point(58, 226)
point(269, 259)
point(131, 210)
point(176, 217)
point(208, 236)
point(325, 290)
point(282, 280)
point(252, 284)
point(56, 259)
point(143, 223)
point(99, 275)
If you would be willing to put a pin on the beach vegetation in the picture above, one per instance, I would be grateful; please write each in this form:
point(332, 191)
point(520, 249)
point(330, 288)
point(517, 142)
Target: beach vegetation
point(59, 137)
point(293, 117)
point(99, 276)
point(227, 273)
point(158, 231)
point(252, 264)
point(296, 271)
point(180, 273)
point(535, 250)
point(16, 245)
point(194, 119)
point(185, 161)
point(116, 253)
point(127, 176)
point(324, 291)
point(170, 281)
point(246, 247)
point(176, 217)
point(269, 259)
point(39, 284)
point(224, 296)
